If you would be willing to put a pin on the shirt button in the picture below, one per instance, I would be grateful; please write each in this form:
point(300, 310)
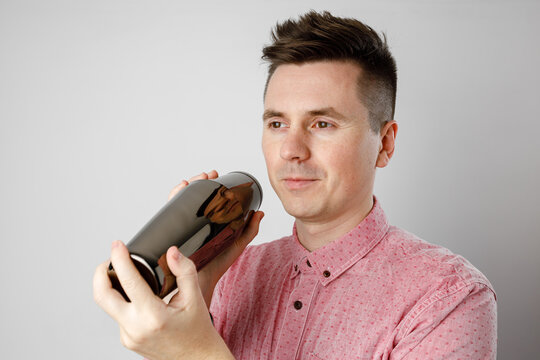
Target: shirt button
point(308, 263)
point(297, 304)
point(326, 273)
point(295, 267)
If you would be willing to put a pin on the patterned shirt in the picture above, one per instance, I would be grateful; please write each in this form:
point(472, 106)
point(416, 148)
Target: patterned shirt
point(377, 292)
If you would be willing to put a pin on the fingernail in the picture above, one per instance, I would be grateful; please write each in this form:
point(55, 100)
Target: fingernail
point(115, 244)
point(176, 254)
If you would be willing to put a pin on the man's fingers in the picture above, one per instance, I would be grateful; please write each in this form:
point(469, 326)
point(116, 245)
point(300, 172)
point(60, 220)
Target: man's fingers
point(187, 278)
point(212, 174)
point(136, 288)
point(105, 296)
point(203, 176)
point(177, 189)
point(251, 230)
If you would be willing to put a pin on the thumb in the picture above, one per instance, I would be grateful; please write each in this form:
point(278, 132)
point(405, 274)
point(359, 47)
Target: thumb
point(187, 279)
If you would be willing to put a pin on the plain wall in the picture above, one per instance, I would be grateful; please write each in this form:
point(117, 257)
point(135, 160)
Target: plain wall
point(106, 105)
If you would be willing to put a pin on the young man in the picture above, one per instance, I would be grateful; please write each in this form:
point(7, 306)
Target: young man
point(345, 284)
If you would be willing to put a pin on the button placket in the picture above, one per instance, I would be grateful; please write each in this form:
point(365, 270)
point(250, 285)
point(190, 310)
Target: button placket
point(296, 312)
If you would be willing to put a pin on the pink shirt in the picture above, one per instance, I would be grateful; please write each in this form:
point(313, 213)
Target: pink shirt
point(378, 292)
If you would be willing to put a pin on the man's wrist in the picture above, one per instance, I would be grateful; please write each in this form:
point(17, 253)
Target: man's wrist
point(220, 351)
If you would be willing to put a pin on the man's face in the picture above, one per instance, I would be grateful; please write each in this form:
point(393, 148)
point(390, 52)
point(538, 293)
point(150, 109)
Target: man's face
point(320, 152)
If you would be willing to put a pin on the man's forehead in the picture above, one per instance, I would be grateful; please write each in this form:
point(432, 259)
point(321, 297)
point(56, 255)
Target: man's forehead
point(313, 76)
point(316, 88)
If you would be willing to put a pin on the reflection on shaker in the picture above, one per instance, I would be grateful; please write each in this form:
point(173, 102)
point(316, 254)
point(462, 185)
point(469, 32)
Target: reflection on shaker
point(228, 205)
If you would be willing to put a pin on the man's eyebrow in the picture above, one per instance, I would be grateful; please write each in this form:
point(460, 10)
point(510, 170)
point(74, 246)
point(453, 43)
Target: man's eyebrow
point(270, 114)
point(327, 111)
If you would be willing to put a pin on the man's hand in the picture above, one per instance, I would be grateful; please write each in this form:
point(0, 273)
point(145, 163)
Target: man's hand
point(212, 272)
point(181, 329)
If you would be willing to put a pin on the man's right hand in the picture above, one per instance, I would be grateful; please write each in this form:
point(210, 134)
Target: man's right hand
point(212, 272)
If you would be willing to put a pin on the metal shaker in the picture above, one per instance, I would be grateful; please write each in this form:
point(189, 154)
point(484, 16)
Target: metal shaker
point(202, 220)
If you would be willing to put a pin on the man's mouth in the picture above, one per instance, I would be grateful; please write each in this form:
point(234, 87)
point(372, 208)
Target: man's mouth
point(294, 183)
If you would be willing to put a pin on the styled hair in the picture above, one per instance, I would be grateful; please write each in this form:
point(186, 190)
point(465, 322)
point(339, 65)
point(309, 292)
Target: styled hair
point(323, 37)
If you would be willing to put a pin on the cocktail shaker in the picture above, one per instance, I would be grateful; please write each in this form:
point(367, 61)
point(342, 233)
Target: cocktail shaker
point(202, 220)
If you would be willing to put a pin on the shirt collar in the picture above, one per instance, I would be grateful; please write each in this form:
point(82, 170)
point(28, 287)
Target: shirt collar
point(333, 259)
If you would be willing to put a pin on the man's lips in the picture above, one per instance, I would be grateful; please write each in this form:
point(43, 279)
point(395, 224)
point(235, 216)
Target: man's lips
point(298, 183)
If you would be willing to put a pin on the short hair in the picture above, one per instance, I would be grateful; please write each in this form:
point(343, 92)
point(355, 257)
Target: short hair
point(322, 37)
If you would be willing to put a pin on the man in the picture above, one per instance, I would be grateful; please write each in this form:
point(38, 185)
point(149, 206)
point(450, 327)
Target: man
point(345, 284)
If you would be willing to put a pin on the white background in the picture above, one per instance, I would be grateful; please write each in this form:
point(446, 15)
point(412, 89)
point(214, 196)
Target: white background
point(106, 105)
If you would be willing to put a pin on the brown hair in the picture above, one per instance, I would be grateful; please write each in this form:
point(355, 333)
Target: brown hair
point(321, 37)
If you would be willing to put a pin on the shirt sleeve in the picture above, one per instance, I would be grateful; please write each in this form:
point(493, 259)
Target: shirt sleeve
point(458, 324)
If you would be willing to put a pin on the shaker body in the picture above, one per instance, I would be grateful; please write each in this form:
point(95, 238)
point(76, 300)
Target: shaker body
point(202, 220)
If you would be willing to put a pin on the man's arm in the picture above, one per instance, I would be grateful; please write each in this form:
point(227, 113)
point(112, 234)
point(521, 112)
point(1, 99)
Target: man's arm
point(459, 325)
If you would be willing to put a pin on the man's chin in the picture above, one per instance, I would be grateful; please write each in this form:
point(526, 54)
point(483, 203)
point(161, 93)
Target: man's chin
point(302, 210)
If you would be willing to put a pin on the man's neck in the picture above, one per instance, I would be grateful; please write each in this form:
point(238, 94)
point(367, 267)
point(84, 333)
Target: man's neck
point(316, 234)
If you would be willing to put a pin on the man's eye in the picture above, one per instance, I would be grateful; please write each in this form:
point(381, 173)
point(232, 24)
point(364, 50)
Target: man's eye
point(323, 124)
point(276, 124)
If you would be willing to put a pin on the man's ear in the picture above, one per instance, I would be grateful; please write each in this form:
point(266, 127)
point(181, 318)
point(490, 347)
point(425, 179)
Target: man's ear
point(387, 143)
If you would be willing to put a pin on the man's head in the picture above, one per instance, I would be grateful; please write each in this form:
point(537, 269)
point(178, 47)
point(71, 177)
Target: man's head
point(320, 37)
point(328, 124)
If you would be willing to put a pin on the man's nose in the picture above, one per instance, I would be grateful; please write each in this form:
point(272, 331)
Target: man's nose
point(295, 146)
